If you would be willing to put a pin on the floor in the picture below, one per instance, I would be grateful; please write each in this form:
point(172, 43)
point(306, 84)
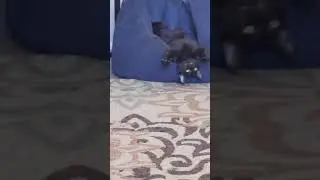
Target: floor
point(46, 122)
point(266, 124)
point(52, 114)
point(159, 131)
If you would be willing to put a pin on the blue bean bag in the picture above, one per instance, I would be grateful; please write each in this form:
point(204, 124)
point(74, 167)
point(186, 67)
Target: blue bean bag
point(137, 52)
point(304, 28)
point(201, 15)
point(61, 26)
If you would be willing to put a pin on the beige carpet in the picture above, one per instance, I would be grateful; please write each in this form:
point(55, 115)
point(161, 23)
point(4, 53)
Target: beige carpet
point(159, 131)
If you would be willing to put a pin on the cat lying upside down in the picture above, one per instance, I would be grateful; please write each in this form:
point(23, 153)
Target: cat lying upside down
point(185, 52)
point(244, 24)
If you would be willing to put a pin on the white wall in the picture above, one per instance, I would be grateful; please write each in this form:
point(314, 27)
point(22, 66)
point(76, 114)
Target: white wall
point(112, 15)
point(112, 20)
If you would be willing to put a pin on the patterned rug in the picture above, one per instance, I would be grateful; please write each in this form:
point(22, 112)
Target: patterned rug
point(159, 131)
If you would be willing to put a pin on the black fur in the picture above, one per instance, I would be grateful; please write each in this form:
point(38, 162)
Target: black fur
point(244, 24)
point(160, 29)
point(185, 52)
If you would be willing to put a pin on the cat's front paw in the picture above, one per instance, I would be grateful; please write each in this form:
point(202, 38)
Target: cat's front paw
point(165, 62)
point(182, 79)
point(232, 58)
point(168, 58)
point(199, 75)
point(285, 44)
point(288, 48)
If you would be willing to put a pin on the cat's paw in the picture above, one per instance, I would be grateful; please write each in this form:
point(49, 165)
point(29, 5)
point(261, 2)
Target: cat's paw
point(168, 58)
point(232, 57)
point(182, 79)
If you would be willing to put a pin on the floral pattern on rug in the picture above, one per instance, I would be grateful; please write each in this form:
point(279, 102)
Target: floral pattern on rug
point(145, 149)
point(159, 131)
point(159, 100)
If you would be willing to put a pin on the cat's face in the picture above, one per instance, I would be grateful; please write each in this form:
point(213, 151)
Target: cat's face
point(189, 67)
point(186, 52)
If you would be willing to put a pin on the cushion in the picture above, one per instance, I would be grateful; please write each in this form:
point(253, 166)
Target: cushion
point(200, 13)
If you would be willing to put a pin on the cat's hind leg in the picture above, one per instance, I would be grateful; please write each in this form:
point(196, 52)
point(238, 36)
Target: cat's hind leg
point(283, 44)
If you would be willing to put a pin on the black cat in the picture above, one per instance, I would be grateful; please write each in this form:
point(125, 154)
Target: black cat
point(185, 52)
point(244, 24)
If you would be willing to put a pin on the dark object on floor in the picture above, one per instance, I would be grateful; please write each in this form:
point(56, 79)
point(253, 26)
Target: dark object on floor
point(259, 16)
point(77, 171)
point(184, 52)
point(137, 52)
point(57, 26)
